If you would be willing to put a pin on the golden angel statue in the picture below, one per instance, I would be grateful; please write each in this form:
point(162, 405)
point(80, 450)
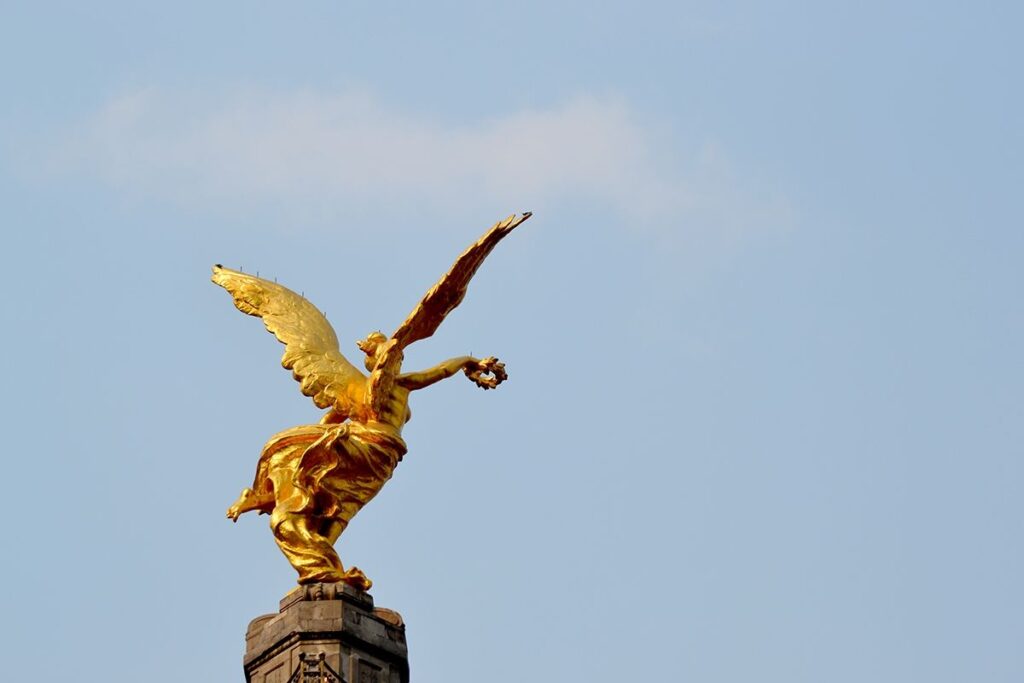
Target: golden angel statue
point(312, 479)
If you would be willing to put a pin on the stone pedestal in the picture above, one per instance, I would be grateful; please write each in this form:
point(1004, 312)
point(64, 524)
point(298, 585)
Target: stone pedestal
point(329, 632)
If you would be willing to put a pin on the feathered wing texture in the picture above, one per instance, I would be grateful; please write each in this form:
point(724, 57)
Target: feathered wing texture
point(449, 291)
point(311, 347)
point(438, 302)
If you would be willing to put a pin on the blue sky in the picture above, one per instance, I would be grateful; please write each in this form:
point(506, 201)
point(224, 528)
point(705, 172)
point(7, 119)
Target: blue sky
point(764, 413)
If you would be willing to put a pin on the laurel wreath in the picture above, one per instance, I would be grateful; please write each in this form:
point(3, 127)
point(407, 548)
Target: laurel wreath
point(487, 373)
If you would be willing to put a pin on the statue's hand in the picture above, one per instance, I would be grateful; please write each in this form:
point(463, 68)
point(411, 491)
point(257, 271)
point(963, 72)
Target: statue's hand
point(478, 371)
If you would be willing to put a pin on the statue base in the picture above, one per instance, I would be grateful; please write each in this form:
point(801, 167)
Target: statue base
point(327, 632)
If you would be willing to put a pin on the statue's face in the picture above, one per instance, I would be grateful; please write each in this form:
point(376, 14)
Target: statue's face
point(370, 344)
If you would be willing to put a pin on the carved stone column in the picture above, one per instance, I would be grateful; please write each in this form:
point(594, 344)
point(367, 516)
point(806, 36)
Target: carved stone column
point(327, 632)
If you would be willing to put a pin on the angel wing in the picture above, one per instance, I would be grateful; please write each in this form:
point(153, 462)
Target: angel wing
point(438, 302)
point(311, 347)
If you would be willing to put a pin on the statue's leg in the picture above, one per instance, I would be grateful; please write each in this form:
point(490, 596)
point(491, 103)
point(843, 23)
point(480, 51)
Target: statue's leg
point(308, 543)
point(304, 478)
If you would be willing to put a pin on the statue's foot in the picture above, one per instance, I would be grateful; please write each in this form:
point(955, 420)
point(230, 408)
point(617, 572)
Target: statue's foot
point(357, 579)
point(243, 504)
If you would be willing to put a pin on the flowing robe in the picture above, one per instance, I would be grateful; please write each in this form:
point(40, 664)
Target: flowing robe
point(321, 475)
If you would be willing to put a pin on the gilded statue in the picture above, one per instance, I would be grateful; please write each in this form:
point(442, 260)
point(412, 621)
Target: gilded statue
point(313, 479)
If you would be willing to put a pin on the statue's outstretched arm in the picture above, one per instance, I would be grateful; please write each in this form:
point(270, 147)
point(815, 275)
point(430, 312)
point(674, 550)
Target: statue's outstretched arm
point(474, 368)
point(418, 380)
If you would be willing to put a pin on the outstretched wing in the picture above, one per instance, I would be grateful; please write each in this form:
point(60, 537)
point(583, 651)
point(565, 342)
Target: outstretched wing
point(449, 291)
point(439, 301)
point(311, 348)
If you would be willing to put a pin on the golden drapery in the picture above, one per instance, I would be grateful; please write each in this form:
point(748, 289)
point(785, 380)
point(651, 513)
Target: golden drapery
point(321, 475)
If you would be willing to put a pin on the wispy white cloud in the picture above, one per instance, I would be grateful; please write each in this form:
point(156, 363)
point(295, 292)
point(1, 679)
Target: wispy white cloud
point(348, 148)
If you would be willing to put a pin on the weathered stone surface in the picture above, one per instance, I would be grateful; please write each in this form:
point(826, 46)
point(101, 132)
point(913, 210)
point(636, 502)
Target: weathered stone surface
point(362, 644)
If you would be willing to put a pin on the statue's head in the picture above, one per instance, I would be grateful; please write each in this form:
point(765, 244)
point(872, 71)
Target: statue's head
point(372, 346)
